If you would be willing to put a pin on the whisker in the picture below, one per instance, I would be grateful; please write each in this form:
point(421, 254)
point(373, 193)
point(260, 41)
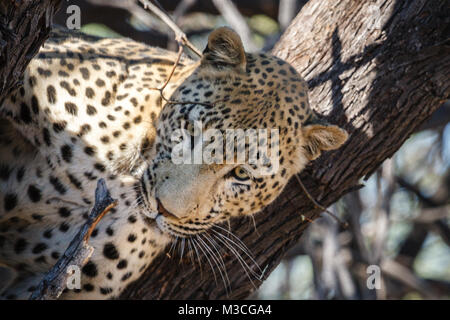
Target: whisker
point(241, 261)
point(207, 258)
point(241, 245)
point(191, 252)
point(254, 225)
point(143, 158)
point(182, 248)
point(230, 243)
point(217, 248)
point(194, 244)
point(174, 242)
point(216, 261)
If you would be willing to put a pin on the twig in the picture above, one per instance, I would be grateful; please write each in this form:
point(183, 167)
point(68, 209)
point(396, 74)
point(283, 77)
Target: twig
point(161, 89)
point(427, 201)
point(78, 252)
point(178, 13)
point(286, 12)
point(181, 8)
point(181, 39)
point(343, 224)
point(179, 34)
point(180, 51)
point(406, 276)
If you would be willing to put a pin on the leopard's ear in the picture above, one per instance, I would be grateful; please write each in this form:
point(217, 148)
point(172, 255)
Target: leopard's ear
point(322, 137)
point(224, 51)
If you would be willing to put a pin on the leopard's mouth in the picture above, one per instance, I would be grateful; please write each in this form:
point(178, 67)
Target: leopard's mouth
point(163, 211)
point(170, 224)
point(156, 221)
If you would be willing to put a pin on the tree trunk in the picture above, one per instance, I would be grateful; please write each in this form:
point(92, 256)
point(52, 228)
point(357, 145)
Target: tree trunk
point(376, 68)
point(24, 26)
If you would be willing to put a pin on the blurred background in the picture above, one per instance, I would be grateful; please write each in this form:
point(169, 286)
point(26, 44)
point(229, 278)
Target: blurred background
point(398, 222)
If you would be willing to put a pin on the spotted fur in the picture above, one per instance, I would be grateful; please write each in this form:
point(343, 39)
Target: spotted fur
point(88, 109)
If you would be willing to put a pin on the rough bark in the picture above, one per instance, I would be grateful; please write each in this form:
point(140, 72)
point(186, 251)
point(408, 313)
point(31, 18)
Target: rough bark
point(24, 26)
point(378, 69)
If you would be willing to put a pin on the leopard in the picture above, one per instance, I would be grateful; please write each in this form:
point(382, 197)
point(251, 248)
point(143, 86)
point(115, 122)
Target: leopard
point(91, 108)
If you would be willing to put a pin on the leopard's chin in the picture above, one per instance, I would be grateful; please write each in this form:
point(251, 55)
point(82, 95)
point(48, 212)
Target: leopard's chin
point(167, 224)
point(177, 231)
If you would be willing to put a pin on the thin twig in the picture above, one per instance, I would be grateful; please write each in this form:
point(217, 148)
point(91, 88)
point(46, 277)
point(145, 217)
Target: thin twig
point(161, 89)
point(181, 8)
point(180, 51)
point(179, 34)
point(181, 39)
point(78, 252)
point(286, 12)
point(343, 224)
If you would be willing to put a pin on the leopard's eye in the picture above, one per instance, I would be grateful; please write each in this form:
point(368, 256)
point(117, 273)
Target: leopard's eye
point(240, 174)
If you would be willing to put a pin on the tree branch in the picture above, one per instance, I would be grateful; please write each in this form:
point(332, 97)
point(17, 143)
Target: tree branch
point(365, 76)
point(78, 252)
point(24, 26)
point(179, 34)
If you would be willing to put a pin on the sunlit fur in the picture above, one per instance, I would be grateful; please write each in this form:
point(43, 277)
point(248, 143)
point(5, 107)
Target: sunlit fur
point(90, 108)
point(233, 90)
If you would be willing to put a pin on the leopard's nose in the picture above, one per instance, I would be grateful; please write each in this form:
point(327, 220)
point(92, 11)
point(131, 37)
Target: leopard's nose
point(162, 210)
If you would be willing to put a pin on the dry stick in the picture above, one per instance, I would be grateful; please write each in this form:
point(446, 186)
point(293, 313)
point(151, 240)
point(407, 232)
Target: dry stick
point(180, 51)
point(177, 60)
point(78, 252)
point(181, 39)
point(179, 34)
point(343, 224)
point(161, 89)
point(181, 8)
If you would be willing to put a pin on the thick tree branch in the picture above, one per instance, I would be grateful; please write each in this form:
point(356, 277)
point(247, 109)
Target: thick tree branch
point(24, 26)
point(379, 69)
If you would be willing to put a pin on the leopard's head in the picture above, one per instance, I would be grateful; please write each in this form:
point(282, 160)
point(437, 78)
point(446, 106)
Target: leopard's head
point(230, 93)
